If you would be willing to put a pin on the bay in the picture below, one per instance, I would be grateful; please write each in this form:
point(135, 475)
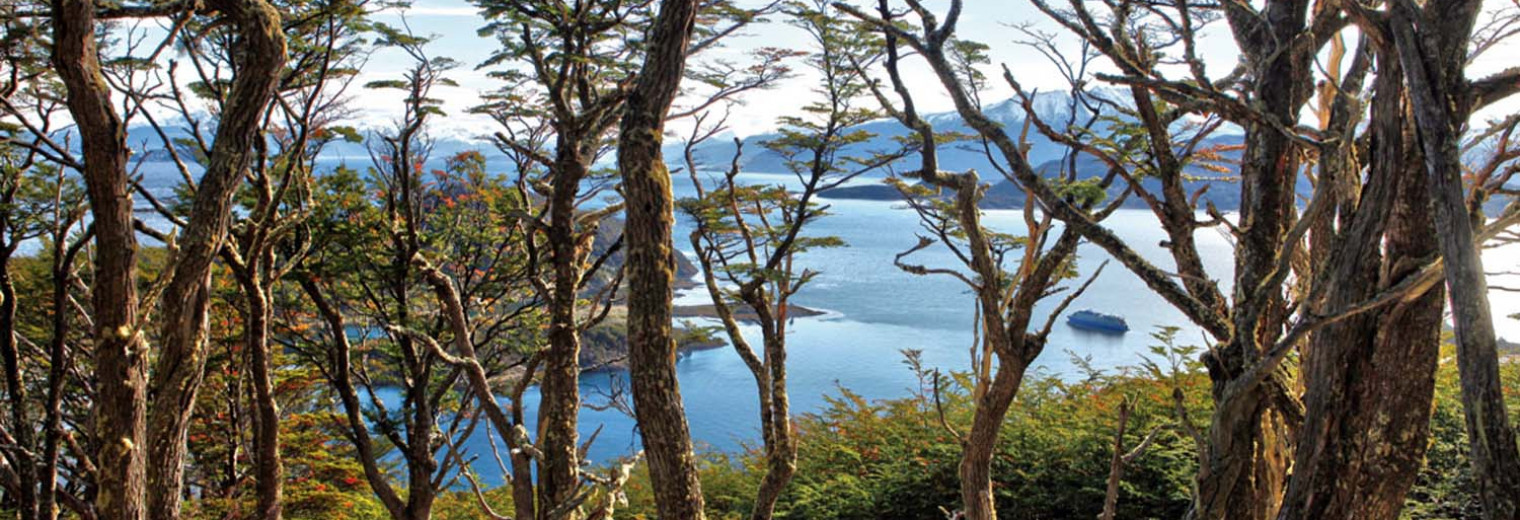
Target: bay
point(875, 310)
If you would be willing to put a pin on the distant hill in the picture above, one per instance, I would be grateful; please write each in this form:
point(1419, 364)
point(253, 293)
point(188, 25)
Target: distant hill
point(1054, 106)
point(1219, 189)
point(144, 139)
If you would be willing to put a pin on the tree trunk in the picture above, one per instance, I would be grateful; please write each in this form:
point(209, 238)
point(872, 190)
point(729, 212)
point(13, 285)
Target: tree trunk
point(458, 322)
point(1115, 466)
point(421, 420)
point(58, 358)
point(981, 441)
point(421, 423)
point(650, 266)
point(776, 423)
point(991, 406)
point(269, 474)
point(1432, 45)
point(1248, 439)
point(182, 357)
point(559, 408)
point(522, 467)
point(769, 374)
point(121, 364)
point(1371, 378)
point(15, 388)
point(1003, 324)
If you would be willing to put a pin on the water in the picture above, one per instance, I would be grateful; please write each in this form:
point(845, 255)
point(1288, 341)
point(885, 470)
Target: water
point(875, 310)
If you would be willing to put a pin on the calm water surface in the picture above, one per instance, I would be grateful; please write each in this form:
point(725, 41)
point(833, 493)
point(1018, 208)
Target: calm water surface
point(875, 310)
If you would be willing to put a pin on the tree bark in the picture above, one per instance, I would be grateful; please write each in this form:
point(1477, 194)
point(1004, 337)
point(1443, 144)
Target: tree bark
point(776, 423)
point(559, 408)
point(650, 266)
point(981, 441)
point(505, 422)
point(182, 357)
point(522, 463)
point(1248, 448)
point(58, 359)
point(1003, 322)
point(269, 473)
point(770, 374)
point(1432, 45)
point(25, 458)
point(121, 364)
point(1371, 378)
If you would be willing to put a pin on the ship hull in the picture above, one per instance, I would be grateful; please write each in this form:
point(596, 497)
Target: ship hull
point(1097, 324)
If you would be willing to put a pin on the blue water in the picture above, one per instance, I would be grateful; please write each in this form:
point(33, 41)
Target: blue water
point(874, 310)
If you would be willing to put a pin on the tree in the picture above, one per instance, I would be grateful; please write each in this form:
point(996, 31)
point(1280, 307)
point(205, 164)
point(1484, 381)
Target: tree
point(121, 364)
point(569, 91)
point(748, 238)
point(1358, 372)
point(1256, 409)
point(650, 264)
point(1432, 42)
point(570, 71)
point(1008, 340)
point(1369, 378)
point(363, 279)
point(266, 244)
point(124, 416)
point(24, 212)
point(43, 203)
point(322, 36)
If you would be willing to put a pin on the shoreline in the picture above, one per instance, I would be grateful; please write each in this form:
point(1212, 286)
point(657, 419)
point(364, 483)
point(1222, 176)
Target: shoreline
point(741, 313)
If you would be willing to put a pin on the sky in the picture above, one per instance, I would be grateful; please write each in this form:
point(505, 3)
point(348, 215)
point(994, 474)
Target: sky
point(993, 22)
point(1000, 24)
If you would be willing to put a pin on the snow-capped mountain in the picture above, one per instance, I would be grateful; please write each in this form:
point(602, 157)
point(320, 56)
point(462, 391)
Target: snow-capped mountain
point(1055, 107)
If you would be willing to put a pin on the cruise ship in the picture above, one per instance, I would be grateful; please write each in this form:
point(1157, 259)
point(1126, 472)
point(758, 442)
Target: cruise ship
point(1092, 320)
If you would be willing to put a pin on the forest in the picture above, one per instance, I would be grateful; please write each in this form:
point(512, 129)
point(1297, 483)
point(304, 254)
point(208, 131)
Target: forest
point(249, 271)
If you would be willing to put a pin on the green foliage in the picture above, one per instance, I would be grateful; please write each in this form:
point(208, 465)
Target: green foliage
point(814, 141)
point(323, 481)
point(1085, 192)
point(1445, 488)
point(733, 218)
point(419, 79)
point(462, 504)
point(323, 478)
point(892, 459)
point(861, 459)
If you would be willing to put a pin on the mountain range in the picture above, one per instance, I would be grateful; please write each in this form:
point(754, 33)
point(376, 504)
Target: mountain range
point(1054, 106)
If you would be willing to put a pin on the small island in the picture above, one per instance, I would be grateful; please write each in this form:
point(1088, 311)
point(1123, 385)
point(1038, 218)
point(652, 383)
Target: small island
point(605, 346)
point(742, 313)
